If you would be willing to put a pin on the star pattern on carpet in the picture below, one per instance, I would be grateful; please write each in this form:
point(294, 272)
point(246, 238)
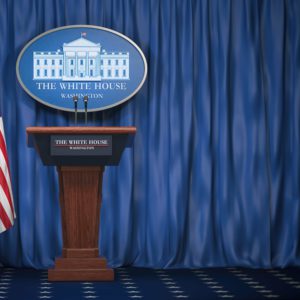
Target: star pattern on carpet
point(149, 284)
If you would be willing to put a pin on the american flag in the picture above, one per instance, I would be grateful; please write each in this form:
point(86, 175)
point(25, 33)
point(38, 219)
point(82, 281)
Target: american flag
point(7, 211)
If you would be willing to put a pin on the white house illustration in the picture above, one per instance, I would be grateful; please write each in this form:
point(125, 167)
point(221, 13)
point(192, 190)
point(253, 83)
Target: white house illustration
point(81, 60)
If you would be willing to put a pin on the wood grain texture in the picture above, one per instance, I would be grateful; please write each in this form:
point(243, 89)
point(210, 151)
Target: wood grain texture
point(80, 252)
point(80, 191)
point(79, 263)
point(81, 130)
point(80, 200)
point(81, 275)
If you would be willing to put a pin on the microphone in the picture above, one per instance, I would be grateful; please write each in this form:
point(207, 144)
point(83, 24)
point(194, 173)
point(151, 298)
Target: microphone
point(75, 99)
point(85, 99)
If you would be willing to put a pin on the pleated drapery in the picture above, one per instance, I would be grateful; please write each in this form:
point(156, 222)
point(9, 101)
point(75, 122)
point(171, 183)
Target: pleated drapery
point(213, 176)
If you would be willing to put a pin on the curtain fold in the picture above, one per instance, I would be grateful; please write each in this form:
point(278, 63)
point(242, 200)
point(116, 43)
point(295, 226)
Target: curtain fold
point(213, 176)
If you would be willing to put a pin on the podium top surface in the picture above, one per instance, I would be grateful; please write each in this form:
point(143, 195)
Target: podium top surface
point(81, 130)
point(80, 146)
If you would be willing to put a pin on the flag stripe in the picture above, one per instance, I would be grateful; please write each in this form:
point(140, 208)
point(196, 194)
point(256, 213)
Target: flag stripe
point(5, 170)
point(3, 145)
point(2, 227)
point(5, 205)
point(7, 212)
point(4, 185)
point(4, 218)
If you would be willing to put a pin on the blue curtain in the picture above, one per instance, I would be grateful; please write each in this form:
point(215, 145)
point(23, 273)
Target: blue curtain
point(213, 176)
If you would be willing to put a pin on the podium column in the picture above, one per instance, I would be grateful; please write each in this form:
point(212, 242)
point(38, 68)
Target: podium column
point(80, 192)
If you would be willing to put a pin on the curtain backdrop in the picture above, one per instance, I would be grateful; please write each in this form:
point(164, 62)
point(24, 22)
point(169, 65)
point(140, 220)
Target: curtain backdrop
point(213, 176)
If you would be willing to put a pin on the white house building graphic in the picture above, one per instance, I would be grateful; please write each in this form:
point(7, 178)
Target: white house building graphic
point(81, 60)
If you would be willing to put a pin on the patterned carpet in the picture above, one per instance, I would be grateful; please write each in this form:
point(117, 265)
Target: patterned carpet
point(138, 283)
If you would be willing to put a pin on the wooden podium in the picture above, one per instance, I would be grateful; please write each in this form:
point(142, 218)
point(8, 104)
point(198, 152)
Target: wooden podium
point(80, 154)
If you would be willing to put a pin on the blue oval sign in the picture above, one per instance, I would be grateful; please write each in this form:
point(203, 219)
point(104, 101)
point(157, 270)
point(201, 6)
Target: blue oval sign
point(81, 60)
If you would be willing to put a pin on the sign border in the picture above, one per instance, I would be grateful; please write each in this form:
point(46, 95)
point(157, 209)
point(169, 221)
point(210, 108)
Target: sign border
point(81, 26)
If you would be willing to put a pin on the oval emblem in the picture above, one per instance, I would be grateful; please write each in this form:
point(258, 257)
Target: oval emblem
point(83, 61)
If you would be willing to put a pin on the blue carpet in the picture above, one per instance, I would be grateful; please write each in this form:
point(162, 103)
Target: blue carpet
point(138, 283)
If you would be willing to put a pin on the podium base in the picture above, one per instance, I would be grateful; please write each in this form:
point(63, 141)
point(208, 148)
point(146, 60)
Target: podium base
point(80, 269)
point(81, 275)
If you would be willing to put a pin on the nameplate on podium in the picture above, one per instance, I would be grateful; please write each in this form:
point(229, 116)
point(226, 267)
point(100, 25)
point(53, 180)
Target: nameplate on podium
point(81, 145)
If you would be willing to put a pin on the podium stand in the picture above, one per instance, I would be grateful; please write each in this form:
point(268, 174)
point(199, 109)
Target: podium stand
point(80, 155)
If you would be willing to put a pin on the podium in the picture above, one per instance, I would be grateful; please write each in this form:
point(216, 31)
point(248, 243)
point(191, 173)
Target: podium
point(80, 155)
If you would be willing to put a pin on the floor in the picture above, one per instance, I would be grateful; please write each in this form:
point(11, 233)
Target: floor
point(138, 283)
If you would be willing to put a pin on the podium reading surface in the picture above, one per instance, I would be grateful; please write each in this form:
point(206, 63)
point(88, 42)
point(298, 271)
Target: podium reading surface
point(80, 154)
